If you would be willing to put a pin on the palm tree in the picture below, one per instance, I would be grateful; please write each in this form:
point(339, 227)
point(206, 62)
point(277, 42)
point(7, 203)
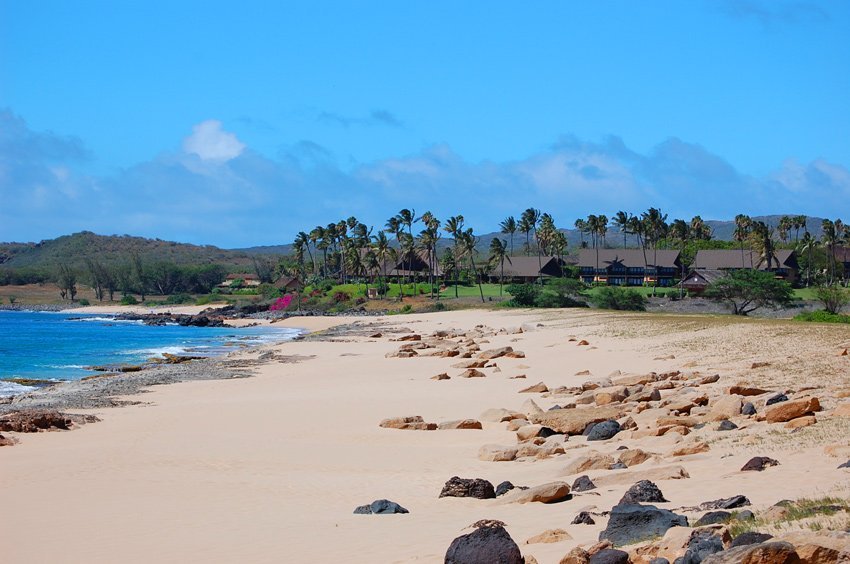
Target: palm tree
point(681, 231)
point(621, 220)
point(303, 240)
point(407, 218)
point(638, 228)
point(498, 254)
point(581, 227)
point(468, 242)
point(700, 231)
point(743, 226)
point(454, 227)
point(383, 251)
point(762, 237)
point(656, 229)
point(799, 223)
point(528, 223)
point(786, 224)
point(830, 237)
point(509, 227)
point(429, 238)
point(808, 245)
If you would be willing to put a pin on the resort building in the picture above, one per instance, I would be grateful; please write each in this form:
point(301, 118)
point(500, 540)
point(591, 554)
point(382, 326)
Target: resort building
point(784, 265)
point(528, 269)
point(244, 279)
point(629, 267)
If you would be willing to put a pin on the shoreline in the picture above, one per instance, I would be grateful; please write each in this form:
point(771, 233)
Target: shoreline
point(287, 454)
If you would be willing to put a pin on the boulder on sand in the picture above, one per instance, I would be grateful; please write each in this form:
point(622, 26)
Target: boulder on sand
point(380, 507)
point(603, 430)
point(413, 422)
point(497, 453)
point(537, 388)
point(759, 463)
point(486, 545)
point(631, 523)
point(792, 409)
point(575, 421)
point(544, 493)
point(460, 424)
point(468, 487)
point(643, 492)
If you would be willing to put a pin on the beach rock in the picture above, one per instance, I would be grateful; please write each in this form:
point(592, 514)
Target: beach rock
point(545, 493)
point(7, 441)
point(801, 422)
point(550, 536)
point(603, 431)
point(529, 407)
point(583, 518)
point(713, 517)
point(515, 354)
point(410, 423)
point(470, 364)
point(495, 353)
point(745, 390)
point(485, 545)
point(499, 415)
point(609, 556)
point(590, 461)
point(504, 488)
point(497, 453)
point(726, 425)
point(517, 424)
point(792, 409)
point(402, 354)
point(689, 449)
point(583, 343)
point(725, 407)
point(748, 409)
point(35, 420)
point(778, 398)
point(702, 544)
point(583, 484)
point(764, 553)
point(654, 474)
point(468, 487)
point(605, 396)
point(575, 421)
point(749, 538)
point(537, 388)
point(745, 515)
point(759, 463)
point(460, 424)
point(726, 503)
point(441, 376)
point(380, 507)
point(472, 373)
point(845, 465)
point(642, 492)
point(629, 523)
point(528, 432)
point(633, 457)
point(577, 555)
point(820, 547)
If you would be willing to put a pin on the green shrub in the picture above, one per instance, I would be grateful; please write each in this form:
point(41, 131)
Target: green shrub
point(269, 291)
point(440, 306)
point(523, 295)
point(84, 302)
point(129, 300)
point(613, 297)
point(175, 299)
point(13, 299)
point(833, 298)
point(822, 316)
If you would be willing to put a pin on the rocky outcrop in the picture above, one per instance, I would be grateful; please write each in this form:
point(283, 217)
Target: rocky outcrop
point(792, 409)
point(759, 463)
point(575, 421)
point(631, 523)
point(583, 484)
point(33, 421)
point(460, 424)
point(468, 487)
point(410, 423)
point(771, 552)
point(550, 536)
point(545, 493)
point(486, 545)
point(643, 492)
point(380, 507)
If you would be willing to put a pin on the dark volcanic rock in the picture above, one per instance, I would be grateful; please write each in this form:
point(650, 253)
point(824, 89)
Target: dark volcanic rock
point(763, 553)
point(713, 517)
point(609, 556)
point(32, 421)
point(726, 425)
point(504, 488)
point(659, 560)
point(750, 537)
point(583, 484)
point(776, 399)
point(701, 545)
point(7, 441)
point(583, 518)
point(726, 503)
point(468, 487)
point(603, 430)
point(631, 523)
point(643, 492)
point(748, 409)
point(759, 463)
point(745, 515)
point(487, 545)
point(845, 465)
point(380, 507)
point(617, 466)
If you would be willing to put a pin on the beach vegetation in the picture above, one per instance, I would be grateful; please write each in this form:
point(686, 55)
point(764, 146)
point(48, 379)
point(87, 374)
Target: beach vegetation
point(747, 290)
point(83, 302)
point(822, 316)
point(614, 297)
point(834, 298)
point(129, 299)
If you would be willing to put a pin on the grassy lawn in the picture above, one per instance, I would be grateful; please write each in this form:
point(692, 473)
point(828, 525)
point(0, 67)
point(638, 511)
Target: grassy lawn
point(490, 290)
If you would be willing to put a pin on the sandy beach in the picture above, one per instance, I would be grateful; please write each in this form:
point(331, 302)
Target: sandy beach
point(270, 468)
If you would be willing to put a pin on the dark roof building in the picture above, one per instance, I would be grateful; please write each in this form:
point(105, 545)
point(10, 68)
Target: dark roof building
point(629, 267)
point(698, 280)
point(785, 266)
point(528, 269)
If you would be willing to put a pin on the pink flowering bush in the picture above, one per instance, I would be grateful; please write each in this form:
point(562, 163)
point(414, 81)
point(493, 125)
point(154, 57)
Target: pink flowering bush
point(281, 304)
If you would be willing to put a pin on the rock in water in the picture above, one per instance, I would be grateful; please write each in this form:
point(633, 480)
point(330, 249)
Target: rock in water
point(609, 556)
point(468, 487)
point(631, 523)
point(603, 431)
point(643, 492)
point(487, 545)
point(380, 507)
point(583, 484)
point(759, 463)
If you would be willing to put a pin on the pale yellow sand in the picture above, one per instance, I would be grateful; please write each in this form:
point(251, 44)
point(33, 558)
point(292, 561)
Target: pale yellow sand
point(269, 469)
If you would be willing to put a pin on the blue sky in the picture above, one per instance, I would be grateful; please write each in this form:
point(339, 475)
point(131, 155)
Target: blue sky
point(235, 125)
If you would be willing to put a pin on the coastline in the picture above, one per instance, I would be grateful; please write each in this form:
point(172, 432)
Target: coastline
point(258, 469)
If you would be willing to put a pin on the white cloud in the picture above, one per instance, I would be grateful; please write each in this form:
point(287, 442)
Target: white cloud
point(211, 143)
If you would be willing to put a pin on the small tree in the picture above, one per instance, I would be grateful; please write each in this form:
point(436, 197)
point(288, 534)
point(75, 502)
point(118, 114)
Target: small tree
point(833, 298)
point(614, 297)
point(747, 290)
point(67, 282)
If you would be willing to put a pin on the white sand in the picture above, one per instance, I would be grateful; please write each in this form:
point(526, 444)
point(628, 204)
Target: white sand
point(269, 469)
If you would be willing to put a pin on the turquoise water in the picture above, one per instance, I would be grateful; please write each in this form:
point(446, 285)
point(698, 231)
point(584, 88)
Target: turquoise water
point(60, 345)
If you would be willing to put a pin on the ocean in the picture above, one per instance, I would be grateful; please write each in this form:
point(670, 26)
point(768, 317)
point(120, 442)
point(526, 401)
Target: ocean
point(59, 346)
